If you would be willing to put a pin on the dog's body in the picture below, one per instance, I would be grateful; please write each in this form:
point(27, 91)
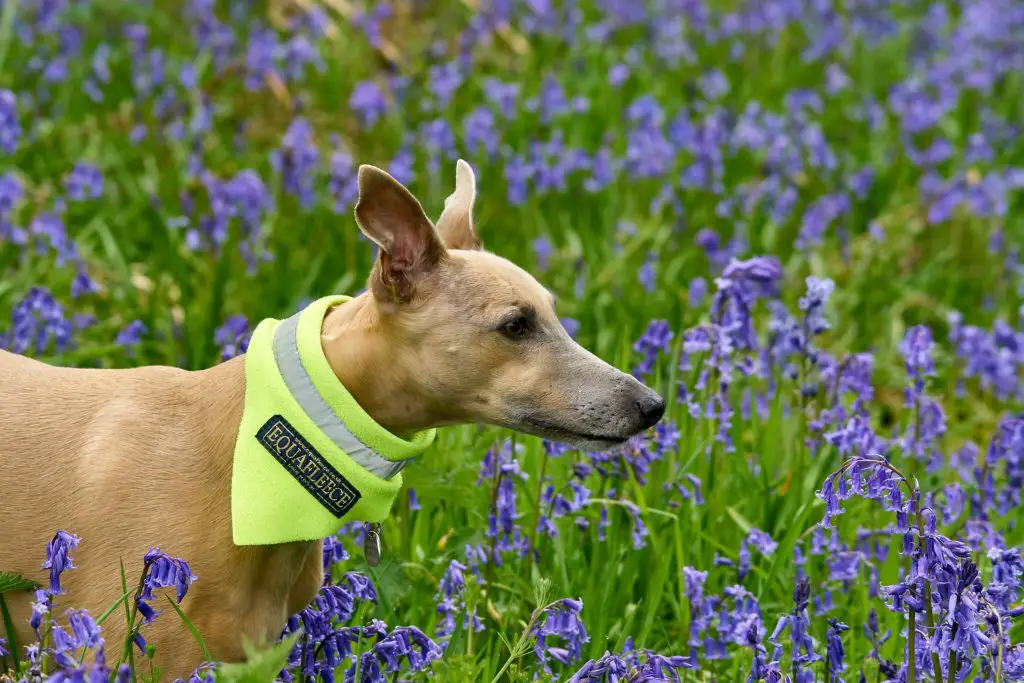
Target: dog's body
point(133, 459)
point(129, 459)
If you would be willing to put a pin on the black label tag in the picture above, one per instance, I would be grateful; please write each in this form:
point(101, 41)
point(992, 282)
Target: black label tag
point(311, 469)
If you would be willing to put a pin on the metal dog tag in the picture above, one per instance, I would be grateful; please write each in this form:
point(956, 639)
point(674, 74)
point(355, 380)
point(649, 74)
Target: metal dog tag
point(371, 545)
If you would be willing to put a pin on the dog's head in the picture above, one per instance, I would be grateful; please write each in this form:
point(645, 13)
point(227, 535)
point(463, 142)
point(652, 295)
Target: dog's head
point(478, 335)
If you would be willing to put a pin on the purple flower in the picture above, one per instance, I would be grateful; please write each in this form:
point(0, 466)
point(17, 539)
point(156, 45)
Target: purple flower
point(233, 336)
point(162, 571)
point(480, 132)
point(260, 57)
point(35, 321)
point(402, 166)
point(58, 558)
point(714, 85)
point(444, 81)
point(342, 182)
point(543, 250)
point(333, 553)
point(562, 620)
point(503, 95)
point(648, 274)
point(916, 349)
point(451, 602)
point(296, 160)
point(10, 129)
point(40, 608)
point(813, 304)
point(618, 74)
point(836, 654)
point(84, 182)
point(763, 271)
point(654, 341)
point(639, 531)
point(818, 217)
point(761, 542)
point(368, 102)
point(696, 292)
point(406, 648)
point(132, 334)
point(243, 198)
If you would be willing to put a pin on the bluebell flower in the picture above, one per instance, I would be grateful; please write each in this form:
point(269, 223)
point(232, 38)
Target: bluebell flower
point(758, 540)
point(451, 602)
point(58, 558)
point(571, 325)
point(11, 193)
point(10, 128)
point(297, 160)
point(402, 165)
point(639, 532)
point(836, 654)
point(480, 132)
point(607, 667)
point(40, 608)
point(84, 182)
point(406, 648)
point(333, 552)
point(561, 620)
point(654, 341)
point(819, 216)
point(297, 54)
point(813, 304)
point(233, 336)
point(696, 291)
point(131, 334)
point(618, 74)
point(162, 571)
point(444, 80)
point(713, 84)
point(37, 319)
point(369, 102)
point(502, 95)
point(917, 347)
point(647, 274)
point(342, 183)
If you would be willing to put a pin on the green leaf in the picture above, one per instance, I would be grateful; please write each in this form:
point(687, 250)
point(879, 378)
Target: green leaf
point(260, 666)
point(192, 629)
point(741, 521)
point(12, 641)
point(11, 582)
point(110, 610)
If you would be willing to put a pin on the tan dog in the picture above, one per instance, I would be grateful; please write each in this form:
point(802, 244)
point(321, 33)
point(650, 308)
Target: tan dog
point(127, 459)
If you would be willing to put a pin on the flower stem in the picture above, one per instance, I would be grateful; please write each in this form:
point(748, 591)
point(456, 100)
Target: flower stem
point(953, 663)
point(929, 613)
point(535, 536)
point(494, 502)
point(911, 650)
point(929, 610)
point(519, 649)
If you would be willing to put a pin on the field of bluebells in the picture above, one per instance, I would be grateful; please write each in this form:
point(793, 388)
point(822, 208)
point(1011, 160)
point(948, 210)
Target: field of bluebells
point(799, 219)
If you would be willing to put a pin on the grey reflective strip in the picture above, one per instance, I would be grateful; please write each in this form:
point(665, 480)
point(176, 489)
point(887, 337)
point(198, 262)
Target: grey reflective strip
point(300, 384)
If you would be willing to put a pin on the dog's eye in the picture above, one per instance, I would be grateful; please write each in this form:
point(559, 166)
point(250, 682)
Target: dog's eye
point(516, 328)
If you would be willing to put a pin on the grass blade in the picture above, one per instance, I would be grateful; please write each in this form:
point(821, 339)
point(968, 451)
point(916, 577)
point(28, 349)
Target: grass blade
point(12, 639)
point(191, 629)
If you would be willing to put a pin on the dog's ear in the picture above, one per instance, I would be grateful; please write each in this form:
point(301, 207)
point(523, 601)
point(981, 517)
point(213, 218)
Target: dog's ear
point(455, 226)
point(392, 217)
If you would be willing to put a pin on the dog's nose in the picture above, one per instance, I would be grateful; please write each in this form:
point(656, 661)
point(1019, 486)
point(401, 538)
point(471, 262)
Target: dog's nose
point(652, 407)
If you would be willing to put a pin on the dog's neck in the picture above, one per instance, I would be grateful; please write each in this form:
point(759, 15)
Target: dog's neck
point(365, 362)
